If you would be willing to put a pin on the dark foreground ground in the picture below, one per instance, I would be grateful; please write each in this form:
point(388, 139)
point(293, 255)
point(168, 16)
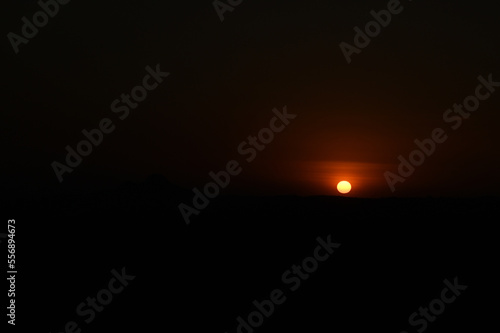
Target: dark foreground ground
point(393, 258)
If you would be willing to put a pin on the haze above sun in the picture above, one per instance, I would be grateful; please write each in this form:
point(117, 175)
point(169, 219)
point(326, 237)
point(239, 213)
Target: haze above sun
point(344, 187)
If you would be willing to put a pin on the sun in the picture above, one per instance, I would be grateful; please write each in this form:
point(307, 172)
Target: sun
point(344, 187)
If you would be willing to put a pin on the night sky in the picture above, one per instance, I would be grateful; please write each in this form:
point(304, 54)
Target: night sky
point(226, 78)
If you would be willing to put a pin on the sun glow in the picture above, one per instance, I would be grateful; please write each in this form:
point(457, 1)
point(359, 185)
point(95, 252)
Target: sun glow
point(344, 187)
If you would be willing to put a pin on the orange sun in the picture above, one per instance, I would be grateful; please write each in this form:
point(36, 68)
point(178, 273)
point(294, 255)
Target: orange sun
point(344, 187)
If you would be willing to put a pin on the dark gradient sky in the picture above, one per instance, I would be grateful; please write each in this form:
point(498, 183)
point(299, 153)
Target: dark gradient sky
point(353, 122)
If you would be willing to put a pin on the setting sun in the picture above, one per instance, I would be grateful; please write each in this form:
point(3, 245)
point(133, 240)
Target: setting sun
point(344, 187)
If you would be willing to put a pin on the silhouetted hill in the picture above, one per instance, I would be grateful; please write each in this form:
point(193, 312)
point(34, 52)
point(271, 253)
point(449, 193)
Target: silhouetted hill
point(395, 252)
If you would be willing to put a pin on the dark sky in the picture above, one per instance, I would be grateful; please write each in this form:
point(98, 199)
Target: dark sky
point(353, 120)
